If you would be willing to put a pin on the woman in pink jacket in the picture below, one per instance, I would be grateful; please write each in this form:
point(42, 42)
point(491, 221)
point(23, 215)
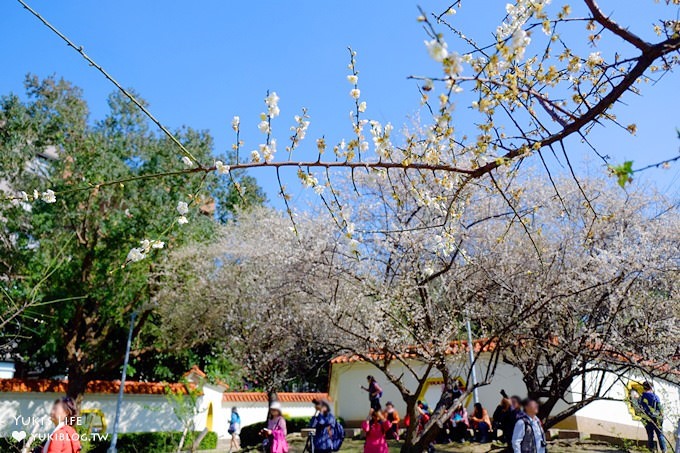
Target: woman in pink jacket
point(375, 426)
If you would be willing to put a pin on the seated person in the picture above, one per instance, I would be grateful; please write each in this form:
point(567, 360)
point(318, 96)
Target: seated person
point(460, 424)
point(481, 423)
point(392, 416)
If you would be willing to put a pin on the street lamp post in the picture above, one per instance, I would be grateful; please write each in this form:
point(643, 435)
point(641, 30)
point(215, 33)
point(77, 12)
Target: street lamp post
point(121, 390)
point(473, 373)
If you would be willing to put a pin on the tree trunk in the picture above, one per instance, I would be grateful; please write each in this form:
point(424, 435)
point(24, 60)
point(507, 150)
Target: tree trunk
point(77, 384)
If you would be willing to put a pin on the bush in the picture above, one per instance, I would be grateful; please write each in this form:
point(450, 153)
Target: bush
point(158, 442)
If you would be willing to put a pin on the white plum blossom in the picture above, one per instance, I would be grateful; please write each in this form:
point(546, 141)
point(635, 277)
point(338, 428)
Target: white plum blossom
point(48, 196)
point(235, 123)
point(267, 151)
point(355, 93)
point(520, 40)
point(438, 49)
point(136, 254)
point(221, 167)
point(362, 106)
point(353, 79)
point(145, 245)
point(272, 102)
point(182, 207)
point(264, 126)
point(186, 161)
point(255, 156)
point(307, 179)
point(595, 58)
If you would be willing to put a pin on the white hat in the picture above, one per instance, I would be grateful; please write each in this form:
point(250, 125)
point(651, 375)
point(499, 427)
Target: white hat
point(276, 406)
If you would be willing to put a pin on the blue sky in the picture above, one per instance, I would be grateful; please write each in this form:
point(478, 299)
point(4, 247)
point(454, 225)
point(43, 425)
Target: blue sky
point(201, 62)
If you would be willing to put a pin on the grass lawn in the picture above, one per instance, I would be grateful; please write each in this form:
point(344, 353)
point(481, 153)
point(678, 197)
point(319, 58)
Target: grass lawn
point(357, 446)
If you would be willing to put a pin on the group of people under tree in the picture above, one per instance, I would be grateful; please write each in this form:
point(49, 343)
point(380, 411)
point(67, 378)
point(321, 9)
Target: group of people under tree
point(514, 422)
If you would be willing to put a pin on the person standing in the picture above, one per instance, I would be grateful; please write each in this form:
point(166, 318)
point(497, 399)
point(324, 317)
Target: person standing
point(392, 416)
point(323, 422)
point(235, 430)
point(275, 432)
point(374, 392)
point(63, 439)
point(376, 427)
point(528, 435)
point(652, 417)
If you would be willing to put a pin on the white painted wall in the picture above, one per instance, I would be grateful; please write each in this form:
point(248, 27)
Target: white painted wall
point(255, 412)
point(352, 404)
point(618, 411)
point(140, 413)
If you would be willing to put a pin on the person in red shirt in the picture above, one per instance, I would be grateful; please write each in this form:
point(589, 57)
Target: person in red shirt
point(63, 439)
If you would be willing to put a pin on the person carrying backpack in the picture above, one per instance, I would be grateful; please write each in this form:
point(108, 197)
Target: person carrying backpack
point(324, 424)
point(528, 435)
point(652, 417)
point(374, 393)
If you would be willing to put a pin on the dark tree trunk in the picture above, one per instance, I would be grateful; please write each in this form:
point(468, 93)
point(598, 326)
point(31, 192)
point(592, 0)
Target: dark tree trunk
point(76, 385)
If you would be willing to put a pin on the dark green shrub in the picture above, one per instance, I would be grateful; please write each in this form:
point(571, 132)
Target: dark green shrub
point(158, 442)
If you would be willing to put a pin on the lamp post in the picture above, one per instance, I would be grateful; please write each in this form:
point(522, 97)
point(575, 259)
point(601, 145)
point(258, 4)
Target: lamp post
point(121, 390)
point(473, 373)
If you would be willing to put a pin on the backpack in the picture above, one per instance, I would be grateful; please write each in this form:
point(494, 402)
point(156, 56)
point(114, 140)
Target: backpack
point(338, 435)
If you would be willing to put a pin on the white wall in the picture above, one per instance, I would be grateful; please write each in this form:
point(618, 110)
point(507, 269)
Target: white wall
point(255, 412)
point(601, 417)
point(617, 411)
point(140, 413)
point(352, 404)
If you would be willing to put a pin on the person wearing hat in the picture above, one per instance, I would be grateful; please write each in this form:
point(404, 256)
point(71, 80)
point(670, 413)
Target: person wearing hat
point(323, 422)
point(652, 417)
point(275, 432)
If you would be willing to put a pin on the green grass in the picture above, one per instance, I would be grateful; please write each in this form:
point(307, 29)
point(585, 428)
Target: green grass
point(357, 446)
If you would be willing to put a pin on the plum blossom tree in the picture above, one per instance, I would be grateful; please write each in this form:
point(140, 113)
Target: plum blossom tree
point(424, 216)
point(600, 294)
point(539, 82)
point(250, 292)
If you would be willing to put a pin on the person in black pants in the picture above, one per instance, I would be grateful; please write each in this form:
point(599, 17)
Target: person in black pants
point(374, 393)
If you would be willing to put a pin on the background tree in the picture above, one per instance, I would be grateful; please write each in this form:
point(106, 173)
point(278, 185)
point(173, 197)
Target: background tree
point(581, 295)
point(250, 292)
point(91, 233)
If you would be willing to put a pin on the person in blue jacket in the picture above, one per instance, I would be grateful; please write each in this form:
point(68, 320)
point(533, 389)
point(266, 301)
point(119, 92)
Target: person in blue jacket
point(323, 422)
point(652, 417)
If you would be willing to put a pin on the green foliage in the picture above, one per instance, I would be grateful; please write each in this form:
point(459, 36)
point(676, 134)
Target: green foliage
point(67, 256)
point(623, 172)
point(158, 442)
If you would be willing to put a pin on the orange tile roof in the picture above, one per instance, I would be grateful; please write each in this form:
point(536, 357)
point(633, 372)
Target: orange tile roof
point(195, 370)
point(57, 386)
point(261, 397)
point(455, 347)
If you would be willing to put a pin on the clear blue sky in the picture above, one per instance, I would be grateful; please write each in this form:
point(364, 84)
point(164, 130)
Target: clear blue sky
point(201, 62)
